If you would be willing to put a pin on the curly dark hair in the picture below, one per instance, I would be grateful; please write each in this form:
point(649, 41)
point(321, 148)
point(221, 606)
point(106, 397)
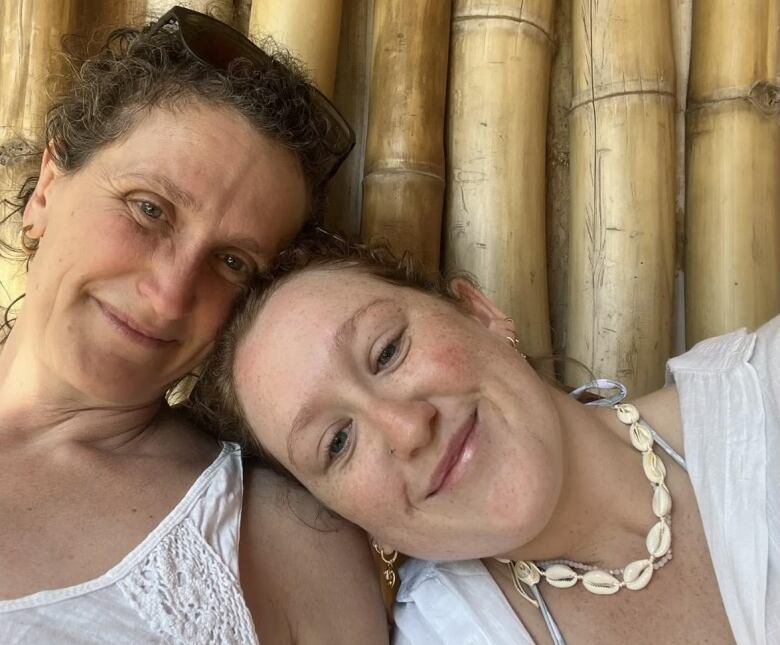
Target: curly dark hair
point(136, 70)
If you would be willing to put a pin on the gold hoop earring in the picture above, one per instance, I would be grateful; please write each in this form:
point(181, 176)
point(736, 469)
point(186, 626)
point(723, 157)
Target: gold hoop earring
point(29, 244)
point(389, 562)
point(515, 343)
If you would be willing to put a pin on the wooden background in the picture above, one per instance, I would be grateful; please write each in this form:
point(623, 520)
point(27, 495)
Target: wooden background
point(608, 170)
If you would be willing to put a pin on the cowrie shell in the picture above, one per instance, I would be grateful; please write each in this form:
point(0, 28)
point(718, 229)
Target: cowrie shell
point(637, 574)
point(627, 413)
point(659, 539)
point(655, 470)
point(561, 576)
point(641, 438)
point(527, 572)
point(662, 501)
point(600, 582)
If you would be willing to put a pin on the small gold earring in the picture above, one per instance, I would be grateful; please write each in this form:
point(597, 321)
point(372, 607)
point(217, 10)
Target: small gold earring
point(29, 244)
point(389, 562)
point(515, 343)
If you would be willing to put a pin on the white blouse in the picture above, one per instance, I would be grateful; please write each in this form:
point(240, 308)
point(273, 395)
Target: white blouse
point(729, 390)
point(180, 585)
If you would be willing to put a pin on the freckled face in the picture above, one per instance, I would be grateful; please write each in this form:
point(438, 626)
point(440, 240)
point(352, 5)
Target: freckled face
point(145, 248)
point(403, 414)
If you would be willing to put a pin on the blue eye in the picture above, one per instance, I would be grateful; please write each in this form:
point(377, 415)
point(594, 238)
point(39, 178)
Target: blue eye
point(150, 209)
point(338, 443)
point(386, 356)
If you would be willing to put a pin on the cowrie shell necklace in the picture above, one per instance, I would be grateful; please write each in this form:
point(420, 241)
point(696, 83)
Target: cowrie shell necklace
point(637, 574)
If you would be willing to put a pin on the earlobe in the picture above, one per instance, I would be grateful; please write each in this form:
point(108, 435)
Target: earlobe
point(35, 216)
point(478, 305)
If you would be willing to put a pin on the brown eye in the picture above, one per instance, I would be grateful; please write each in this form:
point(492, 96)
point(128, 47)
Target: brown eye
point(234, 263)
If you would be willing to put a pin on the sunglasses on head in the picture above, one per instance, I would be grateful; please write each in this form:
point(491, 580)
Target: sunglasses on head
point(216, 44)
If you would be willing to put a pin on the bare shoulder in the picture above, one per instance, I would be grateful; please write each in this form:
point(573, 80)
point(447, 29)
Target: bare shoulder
point(661, 409)
point(307, 577)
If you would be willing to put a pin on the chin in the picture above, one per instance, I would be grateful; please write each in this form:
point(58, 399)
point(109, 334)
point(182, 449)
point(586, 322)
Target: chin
point(116, 382)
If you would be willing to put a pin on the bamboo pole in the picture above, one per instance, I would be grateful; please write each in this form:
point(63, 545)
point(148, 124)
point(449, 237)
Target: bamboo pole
point(621, 255)
point(558, 200)
point(30, 33)
point(403, 187)
point(223, 10)
point(243, 9)
point(351, 97)
point(101, 16)
point(682, 14)
point(30, 69)
point(309, 29)
point(496, 123)
point(733, 188)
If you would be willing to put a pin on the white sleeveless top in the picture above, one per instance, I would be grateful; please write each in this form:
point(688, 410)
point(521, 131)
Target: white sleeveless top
point(729, 391)
point(180, 585)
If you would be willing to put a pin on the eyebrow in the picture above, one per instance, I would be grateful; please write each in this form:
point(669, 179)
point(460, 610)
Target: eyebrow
point(247, 243)
point(343, 337)
point(169, 188)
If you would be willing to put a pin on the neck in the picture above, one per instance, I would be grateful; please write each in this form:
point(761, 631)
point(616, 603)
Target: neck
point(603, 511)
point(38, 407)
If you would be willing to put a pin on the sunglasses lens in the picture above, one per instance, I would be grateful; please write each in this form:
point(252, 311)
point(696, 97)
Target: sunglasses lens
point(214, 42)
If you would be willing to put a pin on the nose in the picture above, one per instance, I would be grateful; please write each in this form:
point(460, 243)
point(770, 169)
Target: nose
point(169, 286)
point(407, 425)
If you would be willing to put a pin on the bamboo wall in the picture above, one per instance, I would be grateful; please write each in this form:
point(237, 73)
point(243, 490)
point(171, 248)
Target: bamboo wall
point(608, 170)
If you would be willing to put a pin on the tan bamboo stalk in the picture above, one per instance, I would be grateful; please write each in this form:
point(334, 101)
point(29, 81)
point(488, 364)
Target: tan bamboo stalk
point(242, 12)
point(309, 29)
point(403, 187)
point(101, 16)
point(351, 97)
point(223, 10)
point(558, 199)
point(733, 183)
point(621, 254)
point(30, 33)
point(496, 124)
point(98, 18)
point(682, 14)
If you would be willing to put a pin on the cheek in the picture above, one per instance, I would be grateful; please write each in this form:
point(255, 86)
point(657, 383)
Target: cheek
point(214, 300)
point(370, 497)
point(449, 358)
point(448, 354)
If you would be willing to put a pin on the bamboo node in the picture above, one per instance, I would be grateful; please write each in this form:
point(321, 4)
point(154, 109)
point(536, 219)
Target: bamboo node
point(765, 95)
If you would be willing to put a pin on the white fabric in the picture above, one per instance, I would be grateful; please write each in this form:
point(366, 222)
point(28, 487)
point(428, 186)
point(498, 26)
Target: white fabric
point(180, 585)
point(729, 390)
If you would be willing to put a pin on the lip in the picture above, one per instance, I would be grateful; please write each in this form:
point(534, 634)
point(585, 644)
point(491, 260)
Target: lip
point(453, 456)
point(132, 329)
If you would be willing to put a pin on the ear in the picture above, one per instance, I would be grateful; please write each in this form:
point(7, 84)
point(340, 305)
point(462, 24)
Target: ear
point(36, 211)
point(479, 306)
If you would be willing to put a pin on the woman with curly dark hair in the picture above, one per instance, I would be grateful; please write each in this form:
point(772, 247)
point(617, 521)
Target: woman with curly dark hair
point(178, 165)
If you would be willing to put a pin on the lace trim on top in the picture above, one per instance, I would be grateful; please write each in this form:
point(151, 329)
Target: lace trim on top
point(187, 594)
point(132, 559)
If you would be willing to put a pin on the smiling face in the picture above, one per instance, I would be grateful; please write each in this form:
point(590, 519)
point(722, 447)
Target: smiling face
point(143, 250)
point(403, 413)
